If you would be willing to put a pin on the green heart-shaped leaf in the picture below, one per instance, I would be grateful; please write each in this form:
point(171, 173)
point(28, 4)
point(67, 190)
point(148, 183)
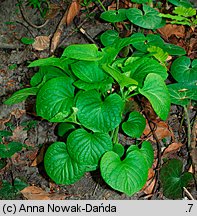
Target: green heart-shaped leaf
point(110, 52)
point(123, 42)
point(127, 176)
point(149, 40)
point(103, 85)
point(114, 16)
point(141, 67)
point(172, 49)
point(181, 93)
point(148, 18)
point(6, 151)
point(87, 148)
point(121, 78)
point(55, 99)
point(51, 61)
point(46, 73)
point(50, 68)
point(156, 40)
point(146, 150)
point(157, 93)
point(88, 71)
point(96, 114)
point(86, 52)
point(60, 167)
point(135, 125)
point(108, 37)
point(173, 180)
point(148, 153)
point(183, 70)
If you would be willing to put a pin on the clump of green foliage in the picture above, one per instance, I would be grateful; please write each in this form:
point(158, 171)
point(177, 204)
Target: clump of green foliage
point(41, 5)
point(77, 90)
point(173, 179)
point(183, 16)
point(7, 150)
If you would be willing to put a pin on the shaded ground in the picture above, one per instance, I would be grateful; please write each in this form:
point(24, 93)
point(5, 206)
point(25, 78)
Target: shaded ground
point(14, 75)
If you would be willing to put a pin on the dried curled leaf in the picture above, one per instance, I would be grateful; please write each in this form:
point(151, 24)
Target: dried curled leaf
point(162, 130)
point(36, 193)
point(172, 148)
point(73, 11)
point(41, 43)
point(168, 30)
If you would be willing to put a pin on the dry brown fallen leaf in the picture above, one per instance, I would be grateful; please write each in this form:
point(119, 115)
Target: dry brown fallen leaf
point(151, 173)
point(67, 18)
point(39, 158)
point(148, 109)
point(162, 130)
point(73, 11)
point(168, 30)
point(125, 4)
point(172, 148)
point(149, 186)
point(192, 47)
point(191, 169)
point(41, 43)
point(53, 11)
point(36, 193)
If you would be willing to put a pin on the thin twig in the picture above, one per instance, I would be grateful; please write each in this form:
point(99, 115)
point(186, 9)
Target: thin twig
point(11, 173)
point(27, 27)
point(9, 46)
point(158, 157)
point(117, 4)
point(27, 20)
point(158, 154)
point(59, 30)
point(193, 152)
point(193, 134)
point(158, 143)
point(87, 36)
point(79, 26)
point(188, 193)
point(180, 126)
point(95, 189)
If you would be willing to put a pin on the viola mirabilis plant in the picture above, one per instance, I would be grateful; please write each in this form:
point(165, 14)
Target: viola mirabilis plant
point(87, 90)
